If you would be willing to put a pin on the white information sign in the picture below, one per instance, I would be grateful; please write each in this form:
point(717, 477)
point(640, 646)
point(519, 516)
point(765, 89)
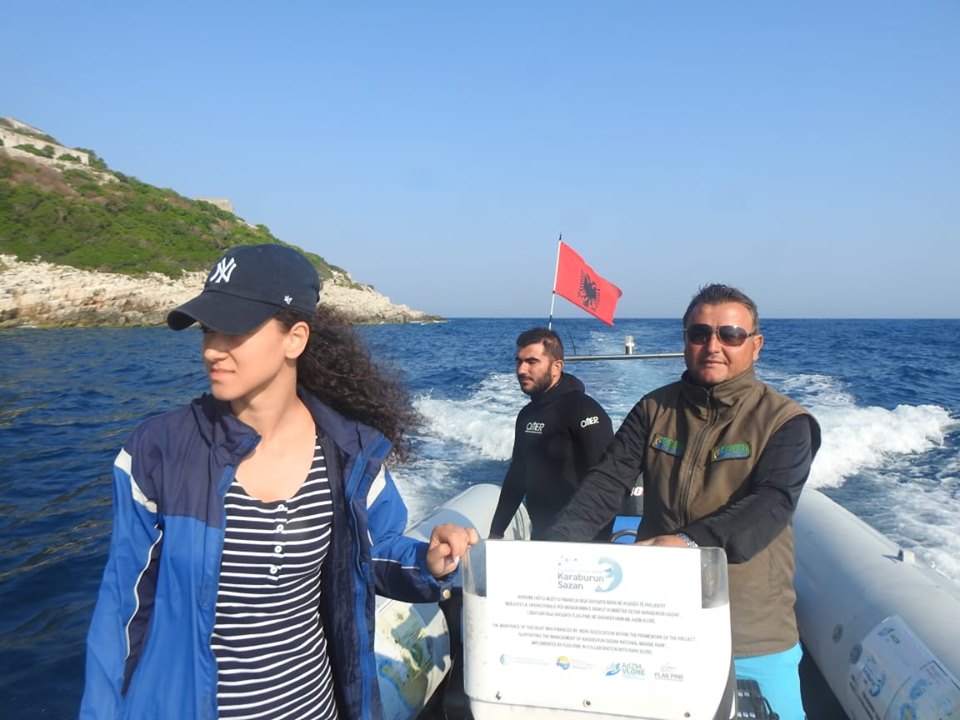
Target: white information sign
point(604, 628)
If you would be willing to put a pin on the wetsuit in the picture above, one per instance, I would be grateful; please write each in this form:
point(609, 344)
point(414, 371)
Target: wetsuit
point(559, 435)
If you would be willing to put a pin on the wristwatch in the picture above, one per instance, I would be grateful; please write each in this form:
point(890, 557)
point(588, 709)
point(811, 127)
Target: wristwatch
point(687, 539)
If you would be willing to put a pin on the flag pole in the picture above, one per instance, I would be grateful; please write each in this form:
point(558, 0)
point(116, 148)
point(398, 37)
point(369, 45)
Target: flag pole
point(553, 295)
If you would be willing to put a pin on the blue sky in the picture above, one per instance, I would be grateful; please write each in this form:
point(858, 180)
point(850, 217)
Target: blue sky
point(808, 153)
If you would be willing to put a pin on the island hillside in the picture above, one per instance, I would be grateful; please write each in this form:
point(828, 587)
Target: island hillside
point(83, 245)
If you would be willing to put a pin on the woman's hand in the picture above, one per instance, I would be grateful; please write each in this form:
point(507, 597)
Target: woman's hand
point(448, 543)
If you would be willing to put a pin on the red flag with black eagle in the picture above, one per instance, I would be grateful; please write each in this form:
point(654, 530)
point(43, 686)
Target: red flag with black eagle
point(583, 286)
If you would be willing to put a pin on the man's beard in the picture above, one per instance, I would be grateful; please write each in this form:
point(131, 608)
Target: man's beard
point(539, 386)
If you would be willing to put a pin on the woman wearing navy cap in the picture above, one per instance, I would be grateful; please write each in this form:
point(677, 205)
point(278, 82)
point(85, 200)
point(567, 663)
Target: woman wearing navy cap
point(254, 526)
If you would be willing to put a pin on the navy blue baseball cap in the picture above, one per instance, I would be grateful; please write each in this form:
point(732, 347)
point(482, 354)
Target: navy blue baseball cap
point(247, 287)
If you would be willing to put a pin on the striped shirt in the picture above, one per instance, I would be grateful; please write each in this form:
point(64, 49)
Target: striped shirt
point(268, 637)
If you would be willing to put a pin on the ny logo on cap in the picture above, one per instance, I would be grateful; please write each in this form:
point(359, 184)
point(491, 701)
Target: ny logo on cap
point(223, 270)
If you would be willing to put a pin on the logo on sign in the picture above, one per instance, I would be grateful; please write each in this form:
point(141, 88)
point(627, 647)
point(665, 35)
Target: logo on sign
point(573, 574)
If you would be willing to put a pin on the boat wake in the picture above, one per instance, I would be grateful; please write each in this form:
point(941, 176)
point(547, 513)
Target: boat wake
point(892, 467)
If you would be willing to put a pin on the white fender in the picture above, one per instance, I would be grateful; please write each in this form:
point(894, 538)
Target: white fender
point(883, 629)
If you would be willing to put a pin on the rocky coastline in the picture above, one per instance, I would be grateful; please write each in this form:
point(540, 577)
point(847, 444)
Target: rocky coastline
point(41, 294)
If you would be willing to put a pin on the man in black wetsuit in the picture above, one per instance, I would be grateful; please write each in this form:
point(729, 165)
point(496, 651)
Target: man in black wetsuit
point(559, 435)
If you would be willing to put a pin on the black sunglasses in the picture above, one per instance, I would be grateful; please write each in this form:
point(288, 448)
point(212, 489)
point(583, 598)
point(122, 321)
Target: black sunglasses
point(729, 335)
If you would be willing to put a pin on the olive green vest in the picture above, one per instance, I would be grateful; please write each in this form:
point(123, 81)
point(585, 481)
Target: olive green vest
point(701, 448)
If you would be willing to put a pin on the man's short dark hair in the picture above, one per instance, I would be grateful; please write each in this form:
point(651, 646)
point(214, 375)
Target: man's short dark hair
point(716, 294)
point(552, 344)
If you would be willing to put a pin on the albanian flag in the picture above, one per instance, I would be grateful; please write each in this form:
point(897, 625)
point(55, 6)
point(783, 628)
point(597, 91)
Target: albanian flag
point(580, 284)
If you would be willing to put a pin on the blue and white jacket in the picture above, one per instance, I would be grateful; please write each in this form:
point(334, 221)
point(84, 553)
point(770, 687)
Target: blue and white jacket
point(148, 647)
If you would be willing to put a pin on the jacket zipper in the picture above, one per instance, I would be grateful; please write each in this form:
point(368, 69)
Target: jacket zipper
point(712, 415)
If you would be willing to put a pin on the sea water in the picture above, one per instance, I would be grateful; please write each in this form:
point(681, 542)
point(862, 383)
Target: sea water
point(886, 394)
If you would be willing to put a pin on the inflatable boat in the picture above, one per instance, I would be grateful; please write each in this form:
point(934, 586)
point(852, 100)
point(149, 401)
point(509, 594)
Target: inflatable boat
point(585, 631)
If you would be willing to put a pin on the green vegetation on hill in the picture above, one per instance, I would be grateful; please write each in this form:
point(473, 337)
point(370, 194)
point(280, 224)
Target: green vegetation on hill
point(72, 217)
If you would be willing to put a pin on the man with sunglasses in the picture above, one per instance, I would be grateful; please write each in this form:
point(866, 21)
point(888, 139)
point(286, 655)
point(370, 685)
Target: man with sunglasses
point(724, 458)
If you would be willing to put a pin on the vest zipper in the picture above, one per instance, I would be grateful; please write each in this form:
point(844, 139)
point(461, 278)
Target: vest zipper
point(712, 415)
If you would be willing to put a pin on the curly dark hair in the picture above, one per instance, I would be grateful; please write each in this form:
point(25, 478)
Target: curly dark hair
point(337, 368)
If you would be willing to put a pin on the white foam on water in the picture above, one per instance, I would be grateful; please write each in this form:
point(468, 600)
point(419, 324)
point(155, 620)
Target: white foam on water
point(456, 435)
point(860, 438)
point(883, 446)
point(925, 518)
point(890, 449)
point(426, 484)
point(479, 427)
